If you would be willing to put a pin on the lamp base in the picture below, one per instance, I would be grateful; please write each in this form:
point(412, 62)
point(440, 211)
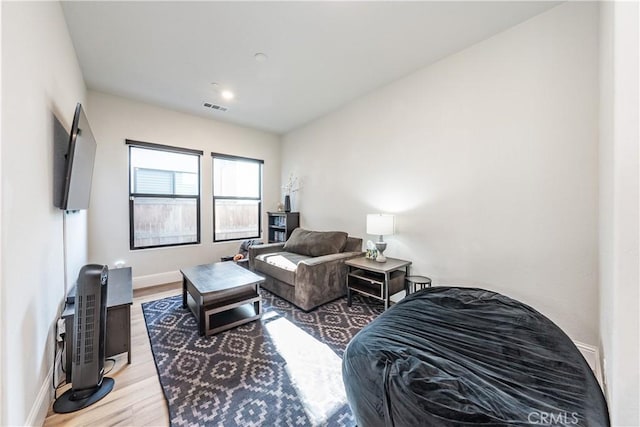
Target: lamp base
point(381, 246)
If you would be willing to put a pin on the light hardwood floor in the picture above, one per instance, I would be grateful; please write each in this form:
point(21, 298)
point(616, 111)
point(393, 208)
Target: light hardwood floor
point(136, 399)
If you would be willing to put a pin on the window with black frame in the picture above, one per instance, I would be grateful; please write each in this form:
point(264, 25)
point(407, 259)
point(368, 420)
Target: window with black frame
point(164, 195)
point(237, 197)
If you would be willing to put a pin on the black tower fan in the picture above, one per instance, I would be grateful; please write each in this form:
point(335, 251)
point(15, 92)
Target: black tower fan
point(88, 384)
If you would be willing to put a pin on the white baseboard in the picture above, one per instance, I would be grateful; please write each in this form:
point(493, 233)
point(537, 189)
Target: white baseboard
point(592, 356)
point(140, 282)
point(40, 407)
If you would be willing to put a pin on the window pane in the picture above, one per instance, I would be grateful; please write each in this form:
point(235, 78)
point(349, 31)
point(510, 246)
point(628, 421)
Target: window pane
point(186, 183)
point(152, 181)
point(162, 221)
point(163, 172)
point(236, 219)
point(236, 178)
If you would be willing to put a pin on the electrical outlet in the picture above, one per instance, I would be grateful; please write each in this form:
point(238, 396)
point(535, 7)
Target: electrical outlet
point(61, 330)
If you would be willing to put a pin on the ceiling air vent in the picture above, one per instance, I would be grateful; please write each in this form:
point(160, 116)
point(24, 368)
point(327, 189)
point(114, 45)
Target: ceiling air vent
point(215, 107)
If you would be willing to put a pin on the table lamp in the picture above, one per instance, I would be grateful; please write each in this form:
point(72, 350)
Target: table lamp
point(380, 224)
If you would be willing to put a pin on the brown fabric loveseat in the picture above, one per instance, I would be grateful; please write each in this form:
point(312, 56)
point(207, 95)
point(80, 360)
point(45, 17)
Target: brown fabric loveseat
point(308, 269)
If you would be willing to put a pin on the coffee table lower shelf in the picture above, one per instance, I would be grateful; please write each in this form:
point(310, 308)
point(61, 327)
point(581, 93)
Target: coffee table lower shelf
point(219, 317)
point(225, 317)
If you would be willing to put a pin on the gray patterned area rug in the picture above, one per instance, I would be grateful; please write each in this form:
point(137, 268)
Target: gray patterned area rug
point(283, 370)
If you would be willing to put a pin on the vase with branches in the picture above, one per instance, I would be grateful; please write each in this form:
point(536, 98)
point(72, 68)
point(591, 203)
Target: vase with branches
point(292, 185)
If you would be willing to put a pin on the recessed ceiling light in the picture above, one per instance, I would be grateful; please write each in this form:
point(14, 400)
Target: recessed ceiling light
point(260, 57)
point(227, 94)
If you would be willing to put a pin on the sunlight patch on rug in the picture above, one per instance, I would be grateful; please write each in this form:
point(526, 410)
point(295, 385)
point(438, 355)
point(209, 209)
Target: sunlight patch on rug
point(314, 369)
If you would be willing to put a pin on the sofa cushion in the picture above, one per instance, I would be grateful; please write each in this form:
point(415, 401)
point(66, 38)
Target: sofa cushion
point(315, 243)
point(354, 244)
point(280, 265)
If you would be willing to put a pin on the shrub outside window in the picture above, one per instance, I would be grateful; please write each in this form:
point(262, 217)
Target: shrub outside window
point(164, 195)
point(237, 197)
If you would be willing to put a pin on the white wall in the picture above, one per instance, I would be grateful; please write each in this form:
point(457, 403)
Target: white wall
point(115, 119)
point(489, 160)
point(619, 215)
point(1, 225)
point(40, 78)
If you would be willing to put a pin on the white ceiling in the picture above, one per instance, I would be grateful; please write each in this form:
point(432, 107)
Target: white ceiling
point(321, 55)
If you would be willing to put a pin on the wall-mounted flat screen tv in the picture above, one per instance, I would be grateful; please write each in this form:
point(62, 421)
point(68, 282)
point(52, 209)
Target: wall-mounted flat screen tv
point(79, 162)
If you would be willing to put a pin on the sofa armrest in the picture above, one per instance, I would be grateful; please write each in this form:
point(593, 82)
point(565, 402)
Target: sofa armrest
point(321, 279)
point(342, 256)
point(256, 250)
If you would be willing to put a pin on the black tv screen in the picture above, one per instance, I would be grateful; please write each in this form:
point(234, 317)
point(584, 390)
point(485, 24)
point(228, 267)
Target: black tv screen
point(79, 164)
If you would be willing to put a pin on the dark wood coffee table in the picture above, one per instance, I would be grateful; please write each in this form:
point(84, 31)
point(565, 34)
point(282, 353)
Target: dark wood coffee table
point(221, 295)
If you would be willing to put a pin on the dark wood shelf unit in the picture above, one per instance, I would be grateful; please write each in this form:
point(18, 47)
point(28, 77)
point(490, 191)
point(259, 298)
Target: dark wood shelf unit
point(280, 225)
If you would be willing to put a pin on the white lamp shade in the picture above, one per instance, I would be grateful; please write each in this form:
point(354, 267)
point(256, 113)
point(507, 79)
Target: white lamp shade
point(380, 224)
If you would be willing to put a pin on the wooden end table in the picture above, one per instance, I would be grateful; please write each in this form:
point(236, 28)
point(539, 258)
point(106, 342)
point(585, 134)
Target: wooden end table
point(376, 279)
point(221, 296)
